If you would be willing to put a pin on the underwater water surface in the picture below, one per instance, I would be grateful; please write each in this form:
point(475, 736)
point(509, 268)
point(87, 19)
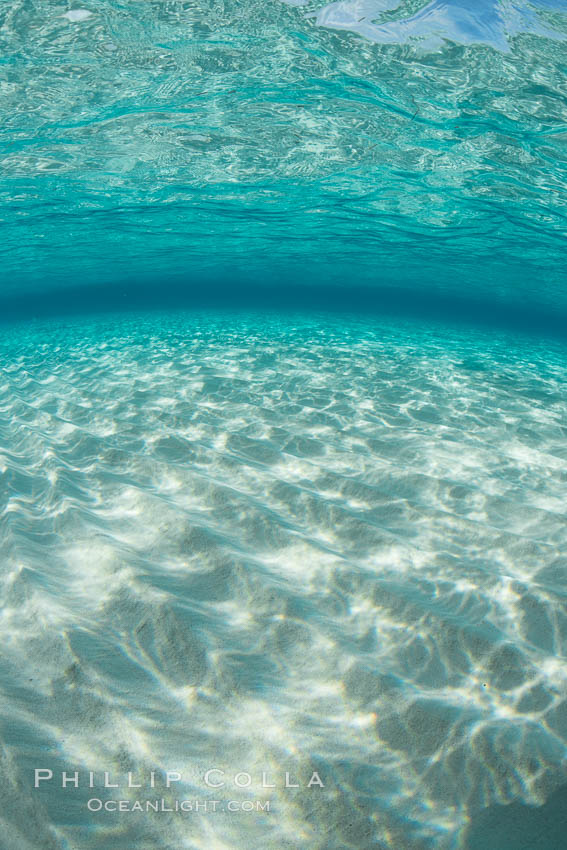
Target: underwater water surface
point(283, 424)
point(221, 144)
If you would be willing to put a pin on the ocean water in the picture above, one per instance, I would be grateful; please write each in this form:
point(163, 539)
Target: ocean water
point(283, 425)
point(232, 144)
point(283, 545)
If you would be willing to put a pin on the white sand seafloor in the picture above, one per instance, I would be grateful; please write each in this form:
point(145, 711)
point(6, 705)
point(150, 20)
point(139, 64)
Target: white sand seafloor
point(291, 545)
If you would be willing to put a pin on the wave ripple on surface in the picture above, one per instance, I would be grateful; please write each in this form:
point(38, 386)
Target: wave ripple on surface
point(260, 142)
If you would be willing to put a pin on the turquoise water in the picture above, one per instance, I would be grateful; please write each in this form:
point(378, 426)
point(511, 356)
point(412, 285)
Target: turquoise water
point(268, 545)
point(384, 143)
point(283, 435)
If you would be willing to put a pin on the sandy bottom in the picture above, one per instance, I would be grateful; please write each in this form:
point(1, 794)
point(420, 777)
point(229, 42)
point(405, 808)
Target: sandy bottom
point(269, 546)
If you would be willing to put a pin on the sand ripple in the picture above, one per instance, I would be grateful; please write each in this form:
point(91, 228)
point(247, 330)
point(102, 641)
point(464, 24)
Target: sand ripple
point(280, 546)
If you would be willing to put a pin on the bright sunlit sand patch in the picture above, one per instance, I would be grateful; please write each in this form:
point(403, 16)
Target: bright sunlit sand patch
point(284, 568)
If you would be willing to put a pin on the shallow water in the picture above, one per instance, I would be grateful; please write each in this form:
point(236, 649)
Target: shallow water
point(301, 544)
point(379, 142)
point(240, 533)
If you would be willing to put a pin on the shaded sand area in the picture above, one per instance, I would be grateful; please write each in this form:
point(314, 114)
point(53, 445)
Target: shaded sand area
point(270, 546)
